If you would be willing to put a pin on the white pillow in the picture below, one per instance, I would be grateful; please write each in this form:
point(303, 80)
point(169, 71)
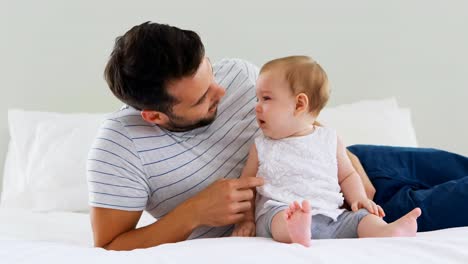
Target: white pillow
point(370, 105)
point(374, 122)
point(45, 168)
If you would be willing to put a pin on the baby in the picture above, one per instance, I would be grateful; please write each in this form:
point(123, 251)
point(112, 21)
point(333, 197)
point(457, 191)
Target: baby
point(304, 162)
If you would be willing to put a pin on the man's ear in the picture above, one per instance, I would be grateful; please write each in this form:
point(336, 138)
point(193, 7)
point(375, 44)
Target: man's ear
point(154, 117)
point(302, 103)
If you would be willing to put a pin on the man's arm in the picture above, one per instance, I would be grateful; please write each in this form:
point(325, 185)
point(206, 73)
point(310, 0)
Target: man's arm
point(115, 229)
point(224, 202)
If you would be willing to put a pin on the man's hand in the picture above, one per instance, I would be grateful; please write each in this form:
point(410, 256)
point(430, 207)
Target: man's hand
point(225, 201)
point(244, 229)
point(222, 203)
point(368, 204)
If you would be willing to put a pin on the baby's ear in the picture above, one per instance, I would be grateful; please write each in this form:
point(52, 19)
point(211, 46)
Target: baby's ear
point(302, 103)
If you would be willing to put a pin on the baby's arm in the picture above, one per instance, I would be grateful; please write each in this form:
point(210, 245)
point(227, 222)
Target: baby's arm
point(368, 187)
point(351, 184)
point(247, 226)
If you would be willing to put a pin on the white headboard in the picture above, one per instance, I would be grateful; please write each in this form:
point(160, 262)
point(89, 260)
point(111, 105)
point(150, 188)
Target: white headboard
point(53, 52)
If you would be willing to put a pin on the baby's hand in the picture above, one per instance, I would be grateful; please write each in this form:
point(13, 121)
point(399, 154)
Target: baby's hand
point(244, 229)
point(370, 205)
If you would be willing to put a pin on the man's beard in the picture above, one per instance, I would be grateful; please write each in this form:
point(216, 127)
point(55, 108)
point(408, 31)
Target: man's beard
point(179, 124)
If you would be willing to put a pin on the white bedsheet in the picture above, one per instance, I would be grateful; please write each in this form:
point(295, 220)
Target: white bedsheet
point(27, 237)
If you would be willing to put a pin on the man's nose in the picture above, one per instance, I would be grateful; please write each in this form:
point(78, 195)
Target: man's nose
point(221, 91)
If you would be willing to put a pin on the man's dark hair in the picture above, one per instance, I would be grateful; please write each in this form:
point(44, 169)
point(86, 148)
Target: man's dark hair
point(146, 58)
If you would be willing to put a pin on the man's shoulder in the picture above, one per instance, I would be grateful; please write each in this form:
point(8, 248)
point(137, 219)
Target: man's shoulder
point(123, 120)
point(125, 115)
point(235, 62)
point(227, 71)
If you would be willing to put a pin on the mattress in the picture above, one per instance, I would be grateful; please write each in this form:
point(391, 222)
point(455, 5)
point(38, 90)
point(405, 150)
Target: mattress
point(31, 237)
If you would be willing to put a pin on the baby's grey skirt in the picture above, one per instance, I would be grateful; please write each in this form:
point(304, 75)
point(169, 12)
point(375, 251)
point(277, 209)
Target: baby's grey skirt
point(323, 227)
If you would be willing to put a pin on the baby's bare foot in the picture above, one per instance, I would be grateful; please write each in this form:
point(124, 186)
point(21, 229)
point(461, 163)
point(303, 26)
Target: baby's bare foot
point(406, 226)
point(298, 221)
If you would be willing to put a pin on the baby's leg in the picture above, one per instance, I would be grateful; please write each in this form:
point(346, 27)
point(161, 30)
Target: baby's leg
point(293, 224)
point(374, 226)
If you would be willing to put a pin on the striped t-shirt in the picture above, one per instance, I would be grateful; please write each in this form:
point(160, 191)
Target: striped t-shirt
point(134, 165)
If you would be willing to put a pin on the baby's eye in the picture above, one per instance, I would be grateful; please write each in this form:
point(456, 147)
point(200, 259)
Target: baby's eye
point(265, 98)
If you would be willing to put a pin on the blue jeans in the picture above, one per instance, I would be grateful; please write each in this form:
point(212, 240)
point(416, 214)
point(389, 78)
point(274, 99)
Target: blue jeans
point(404, 178)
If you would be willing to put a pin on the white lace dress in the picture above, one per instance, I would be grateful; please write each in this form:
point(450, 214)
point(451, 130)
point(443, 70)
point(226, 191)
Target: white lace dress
point(300, 168)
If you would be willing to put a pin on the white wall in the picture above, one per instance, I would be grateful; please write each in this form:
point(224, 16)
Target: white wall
point(52, 53)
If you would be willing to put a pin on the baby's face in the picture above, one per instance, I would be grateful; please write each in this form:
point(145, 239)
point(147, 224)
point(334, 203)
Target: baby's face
point(275, 106)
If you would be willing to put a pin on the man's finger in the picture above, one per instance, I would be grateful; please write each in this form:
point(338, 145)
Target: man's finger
point(242, 207)
point(244, 195)
point(249, 182)
point(236, 218)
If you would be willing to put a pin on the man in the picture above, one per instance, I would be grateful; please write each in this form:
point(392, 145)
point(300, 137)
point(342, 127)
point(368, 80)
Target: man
point(178, 147)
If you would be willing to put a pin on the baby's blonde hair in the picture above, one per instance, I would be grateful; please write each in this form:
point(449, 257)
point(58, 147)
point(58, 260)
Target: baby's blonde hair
point(304, 75)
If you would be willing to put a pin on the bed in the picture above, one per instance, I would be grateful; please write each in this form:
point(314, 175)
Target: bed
point(44, 216)
point(65, 237)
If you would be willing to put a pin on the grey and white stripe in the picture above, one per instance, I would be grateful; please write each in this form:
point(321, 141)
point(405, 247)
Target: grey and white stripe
point(134, 165)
